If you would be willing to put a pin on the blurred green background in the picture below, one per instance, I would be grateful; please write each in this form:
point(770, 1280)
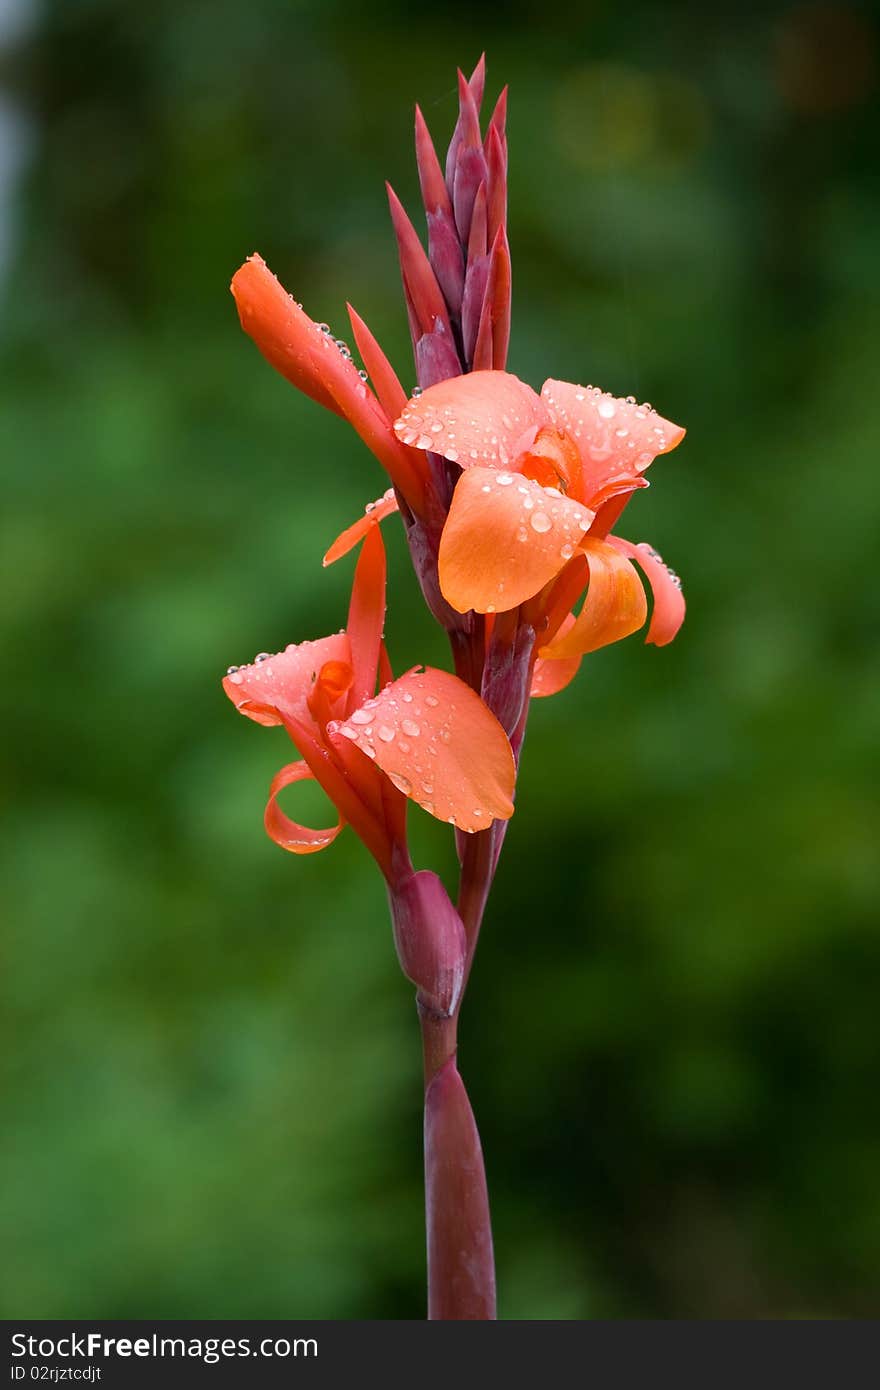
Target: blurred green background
point(212, 1099)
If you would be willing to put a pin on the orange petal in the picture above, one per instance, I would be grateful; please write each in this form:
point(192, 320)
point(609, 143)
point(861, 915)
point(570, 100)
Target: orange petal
point(614, 607)
point(504, 538)
point(486, 418)
point(287, 833)
point(375, 512)
point(279, 685)
point(549, 677)
point(439, 745)
point(382, 375)
point(615, 436)
point(669, 604)
point(366, 616)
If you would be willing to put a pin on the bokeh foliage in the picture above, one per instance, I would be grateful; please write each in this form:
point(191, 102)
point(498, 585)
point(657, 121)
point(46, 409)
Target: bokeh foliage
point(212, 1101)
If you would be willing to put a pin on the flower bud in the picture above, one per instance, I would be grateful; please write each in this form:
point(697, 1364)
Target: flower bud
point(430, 939)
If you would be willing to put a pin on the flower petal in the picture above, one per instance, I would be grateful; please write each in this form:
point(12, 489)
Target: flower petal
point(486, 418)
point(439, 745)
point(615, 436)
point(504, 538)
point(366, 616)
point(614, 607)
point(549, 677)
point(287, 833)
point(276, 686)
point(669, 604)
point(349, 538)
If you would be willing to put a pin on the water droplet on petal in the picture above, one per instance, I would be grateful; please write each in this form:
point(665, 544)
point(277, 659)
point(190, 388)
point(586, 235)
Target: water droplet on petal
point(362, 716)
point(385, 733)
point(540, 522)
point(403, 784)
point(410, 727)
point(231, 670)
point(432, 701)
point(504, 479)
point(607, 409)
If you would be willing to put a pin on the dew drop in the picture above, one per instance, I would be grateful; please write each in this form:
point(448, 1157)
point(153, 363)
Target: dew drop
point(403, 784)
point(231, 670)
point(432, 701)
point(445, 735)
point(261, 656)
point(385, 733)
point(411, 728)
point(540, 522)
point(362, 716)
point(236, 678)
point(504, 479)
point(567, 551)
point(607, 409)
point(403, 745)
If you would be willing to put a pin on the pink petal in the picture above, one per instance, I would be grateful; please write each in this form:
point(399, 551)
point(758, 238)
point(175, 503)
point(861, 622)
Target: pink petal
point(279, 685)
point(486, 418)
point(614, 436)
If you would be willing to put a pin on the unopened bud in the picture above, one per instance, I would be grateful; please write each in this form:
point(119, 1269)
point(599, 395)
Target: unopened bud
point(430, 939)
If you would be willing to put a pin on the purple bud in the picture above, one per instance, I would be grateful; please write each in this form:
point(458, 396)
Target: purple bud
point(444, 249)
point(471, 170)
point(430, 940)
point(436, 357)
point(472, 305)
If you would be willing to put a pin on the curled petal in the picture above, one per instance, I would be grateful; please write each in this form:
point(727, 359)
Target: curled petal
point(375, 512)
point(274, 687)
point(549, 677)
point(486, 418)
point(669, 604)
point(439, 745)
point(287, 833)
point(614, 607)
point(504, 539)
point(616, 437)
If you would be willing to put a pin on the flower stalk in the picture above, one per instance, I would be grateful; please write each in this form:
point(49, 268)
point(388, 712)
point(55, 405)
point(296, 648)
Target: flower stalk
point(508, 499)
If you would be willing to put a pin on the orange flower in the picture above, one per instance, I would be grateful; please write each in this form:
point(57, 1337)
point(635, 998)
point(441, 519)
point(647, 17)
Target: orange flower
point(425, 736)
point(543, 479)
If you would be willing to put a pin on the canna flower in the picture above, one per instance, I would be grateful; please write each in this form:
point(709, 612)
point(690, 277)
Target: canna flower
point(425, 736)
point(543, 478)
